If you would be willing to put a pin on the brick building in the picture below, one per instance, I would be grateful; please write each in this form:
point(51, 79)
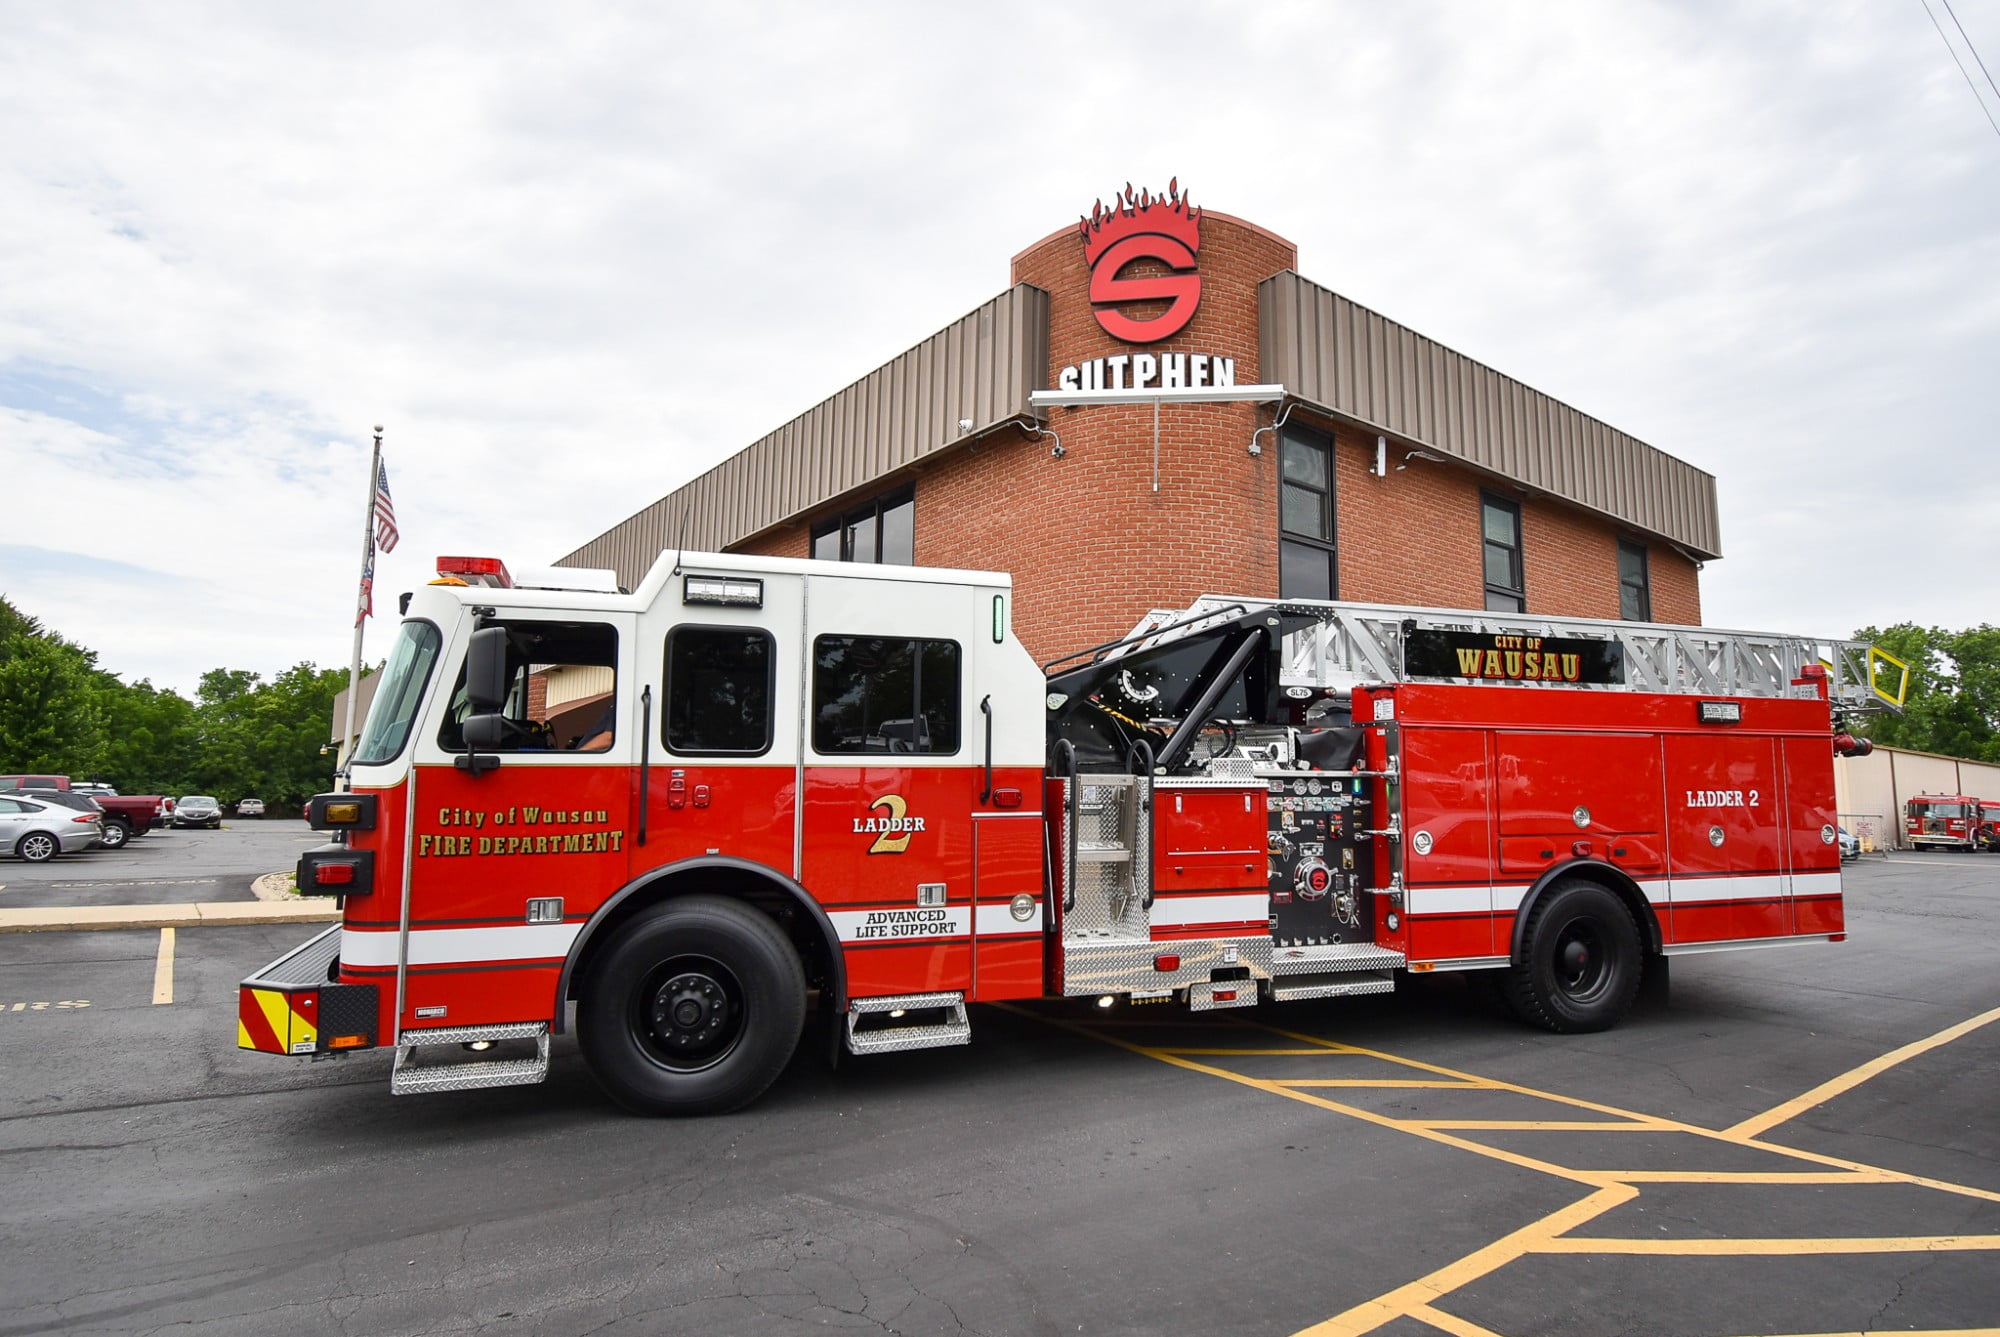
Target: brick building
point(1161, 407)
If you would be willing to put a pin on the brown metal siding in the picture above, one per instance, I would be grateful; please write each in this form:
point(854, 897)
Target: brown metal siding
point(982, 367)
point(1355, 364)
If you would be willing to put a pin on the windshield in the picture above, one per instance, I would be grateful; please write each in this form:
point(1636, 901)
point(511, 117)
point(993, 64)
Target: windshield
point(1939, 809)
point(396, 699)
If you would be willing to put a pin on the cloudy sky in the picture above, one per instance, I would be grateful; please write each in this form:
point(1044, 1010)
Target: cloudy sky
point(574, 255)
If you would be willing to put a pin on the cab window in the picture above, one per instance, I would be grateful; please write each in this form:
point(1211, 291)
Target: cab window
point(718, 691)
point(562, 689)
point(885, 694)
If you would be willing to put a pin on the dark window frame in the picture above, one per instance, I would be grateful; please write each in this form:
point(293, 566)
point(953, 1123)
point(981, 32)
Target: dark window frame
point(448, 737)
point(1325, 442)
point(872, 511)
point(1518, 593)
point(958, 711)
point(770, 690)
point(1643, 586)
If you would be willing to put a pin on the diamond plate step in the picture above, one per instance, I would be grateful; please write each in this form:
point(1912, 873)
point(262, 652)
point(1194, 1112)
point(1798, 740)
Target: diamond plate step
point(409, 1078)
point(955, 1029)
point(1341, 984)
point(1333, 956)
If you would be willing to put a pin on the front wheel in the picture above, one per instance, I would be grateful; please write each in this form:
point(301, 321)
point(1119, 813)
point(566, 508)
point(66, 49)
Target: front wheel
point(37, 847)
point(694, 1009)
point(1580, 968)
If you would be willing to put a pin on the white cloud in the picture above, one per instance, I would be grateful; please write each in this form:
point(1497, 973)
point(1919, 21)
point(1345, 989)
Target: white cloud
point(574, 257)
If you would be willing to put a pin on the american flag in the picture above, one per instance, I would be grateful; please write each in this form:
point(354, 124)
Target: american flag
point(385, 511)
point(365, 607)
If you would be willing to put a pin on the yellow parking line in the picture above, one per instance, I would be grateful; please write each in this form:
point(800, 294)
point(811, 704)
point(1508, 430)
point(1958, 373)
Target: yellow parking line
point(1859, 1176)
point(1542, 1125)
point(1316, 1051)
point(1847, 1081)
point(1900, 1332)
point(1418, 1294)
point(1771, 1248)
point(1450, 1323)
point(163, 969)
point(1392, 1083)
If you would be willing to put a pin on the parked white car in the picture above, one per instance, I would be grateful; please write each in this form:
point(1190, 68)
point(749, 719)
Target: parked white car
point(35, 832)
point(249, 807)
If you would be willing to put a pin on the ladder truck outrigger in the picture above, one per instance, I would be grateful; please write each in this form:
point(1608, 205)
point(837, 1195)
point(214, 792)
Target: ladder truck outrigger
point(684, 817)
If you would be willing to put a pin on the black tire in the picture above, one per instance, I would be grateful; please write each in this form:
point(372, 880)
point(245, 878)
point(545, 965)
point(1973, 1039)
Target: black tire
point(1581, 963)
point(37, 847)
point(694, 1009)
point(115, 835)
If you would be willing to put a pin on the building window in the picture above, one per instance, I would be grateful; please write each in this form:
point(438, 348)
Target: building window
point(884, 694)
point(718, 691)
point(882, 529)
point(1306, 566)
point(1500, 535)
point(1635, 583)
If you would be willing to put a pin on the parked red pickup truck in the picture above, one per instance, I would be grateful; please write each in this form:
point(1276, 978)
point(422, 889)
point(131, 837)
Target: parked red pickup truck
point(125, 815)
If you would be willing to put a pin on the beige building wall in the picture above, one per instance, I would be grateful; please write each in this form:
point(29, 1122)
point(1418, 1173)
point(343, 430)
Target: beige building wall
point(1881, 783)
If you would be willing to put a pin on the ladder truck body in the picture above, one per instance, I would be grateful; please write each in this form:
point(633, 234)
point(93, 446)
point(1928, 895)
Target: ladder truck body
point(683, 818)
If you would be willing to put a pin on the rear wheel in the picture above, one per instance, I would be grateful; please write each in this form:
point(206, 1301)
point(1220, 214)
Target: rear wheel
point(695, 1009)
point(116, 833)
point(37, 847)
point(1580, 968)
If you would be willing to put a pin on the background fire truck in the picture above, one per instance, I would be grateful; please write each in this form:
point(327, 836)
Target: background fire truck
point(847, 788)
point(1952, 822)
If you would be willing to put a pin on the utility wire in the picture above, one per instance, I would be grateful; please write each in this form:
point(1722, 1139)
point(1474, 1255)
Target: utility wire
point(1973, 49)
point(1961, 64)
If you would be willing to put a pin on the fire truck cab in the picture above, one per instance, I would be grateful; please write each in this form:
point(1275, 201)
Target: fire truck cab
point(692, 813)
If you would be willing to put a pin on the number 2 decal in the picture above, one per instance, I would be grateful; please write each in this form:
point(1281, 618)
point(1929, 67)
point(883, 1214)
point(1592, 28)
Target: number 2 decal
point(1753, 798)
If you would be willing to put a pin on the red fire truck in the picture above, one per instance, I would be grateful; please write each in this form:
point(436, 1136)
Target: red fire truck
point(1951, 822)
point(786, 785)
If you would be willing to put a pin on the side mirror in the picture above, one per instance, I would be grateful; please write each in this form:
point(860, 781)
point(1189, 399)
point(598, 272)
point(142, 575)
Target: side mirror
point(485, 674)
point(484, 733)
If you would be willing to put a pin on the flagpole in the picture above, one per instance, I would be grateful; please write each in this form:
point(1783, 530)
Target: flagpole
point(347, 739)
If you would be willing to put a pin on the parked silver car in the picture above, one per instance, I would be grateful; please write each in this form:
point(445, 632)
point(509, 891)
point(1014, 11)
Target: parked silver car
point(36, 831)
point(198, 810)
point(249, 807)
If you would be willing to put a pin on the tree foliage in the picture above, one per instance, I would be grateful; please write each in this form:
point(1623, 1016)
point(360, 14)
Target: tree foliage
point(1953, 705)
point(240, 737)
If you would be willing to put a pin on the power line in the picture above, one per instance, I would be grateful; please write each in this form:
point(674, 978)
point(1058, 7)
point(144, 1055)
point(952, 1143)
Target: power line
point(1961, 64)
point(1973, 49)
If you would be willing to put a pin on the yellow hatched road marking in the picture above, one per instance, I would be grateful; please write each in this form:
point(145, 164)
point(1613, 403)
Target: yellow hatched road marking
point(1372, 1314)
point(1450, 1323)
point(1861, 1176)
point(1772, 1247)
point(1544, 1125)
point(1392, 1083)
point(163, 970)
point(1854, 1077)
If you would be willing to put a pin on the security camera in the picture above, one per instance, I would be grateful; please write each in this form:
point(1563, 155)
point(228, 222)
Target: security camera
point(965, 424)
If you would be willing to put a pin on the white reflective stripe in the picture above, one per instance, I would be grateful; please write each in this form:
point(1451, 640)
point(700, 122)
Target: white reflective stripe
point(996, 919)
point(459, 946)
point(1816, 884)
point(912, 923)
point(1657, 891)
point(1760, 887)
point(1454, 900)
point(1180, 911)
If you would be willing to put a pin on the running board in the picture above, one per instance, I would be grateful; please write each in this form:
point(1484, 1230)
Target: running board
point(409, 1078)
point(896, 1033)
point(1331, 984)
point(1333, 957)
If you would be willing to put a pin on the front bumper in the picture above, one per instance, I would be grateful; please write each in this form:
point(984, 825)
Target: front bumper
point(294, 1005)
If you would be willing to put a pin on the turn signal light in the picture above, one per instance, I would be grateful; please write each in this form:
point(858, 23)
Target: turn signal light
point(347, 1042)
point(1167, 961)
point(341, 812)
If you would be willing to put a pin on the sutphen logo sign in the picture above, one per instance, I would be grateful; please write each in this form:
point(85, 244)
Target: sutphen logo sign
point(1143, 226)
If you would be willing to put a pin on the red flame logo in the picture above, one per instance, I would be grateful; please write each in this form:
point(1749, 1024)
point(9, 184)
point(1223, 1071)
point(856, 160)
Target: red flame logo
point(1143, 226)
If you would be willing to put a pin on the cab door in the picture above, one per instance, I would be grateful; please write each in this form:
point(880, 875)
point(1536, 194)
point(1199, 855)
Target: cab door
point(891, 777)
point(511, 850)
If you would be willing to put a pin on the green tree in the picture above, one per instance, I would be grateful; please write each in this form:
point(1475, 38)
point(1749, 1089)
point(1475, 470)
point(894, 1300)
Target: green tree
point(1953, 705)
point(49, 715)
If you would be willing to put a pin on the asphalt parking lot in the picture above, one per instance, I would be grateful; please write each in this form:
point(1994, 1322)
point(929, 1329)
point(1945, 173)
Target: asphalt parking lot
point(1805, 1140)
point(161, 867)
